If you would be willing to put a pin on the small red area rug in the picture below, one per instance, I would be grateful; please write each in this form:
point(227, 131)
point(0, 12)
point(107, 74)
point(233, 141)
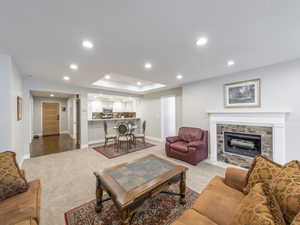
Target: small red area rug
point(112, 151)
point(160, 210)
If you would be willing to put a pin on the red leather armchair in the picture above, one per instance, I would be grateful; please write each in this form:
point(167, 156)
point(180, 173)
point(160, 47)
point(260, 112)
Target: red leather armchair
point(191, 145)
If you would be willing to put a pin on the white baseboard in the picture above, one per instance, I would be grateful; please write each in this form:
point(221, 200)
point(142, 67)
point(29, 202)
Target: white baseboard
point(27, 156)
point(84, 146)
point(154, 139)
point(96, 142)
point(64, 132)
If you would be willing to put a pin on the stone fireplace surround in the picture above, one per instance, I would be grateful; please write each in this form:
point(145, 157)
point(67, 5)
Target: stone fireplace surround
point(274, 121)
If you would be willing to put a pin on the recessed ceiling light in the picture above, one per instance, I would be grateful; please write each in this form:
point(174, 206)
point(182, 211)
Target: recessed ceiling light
point(230, 63)
point(107, 76)
point(87, 44)
point(139, 83)
point(201, 41)
point(179, 76)
point(73, 66)
point(52, 95)
point(66, 78)
point(148, 65)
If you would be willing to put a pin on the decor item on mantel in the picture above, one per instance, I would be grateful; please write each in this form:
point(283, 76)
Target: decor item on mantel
point(242, 94)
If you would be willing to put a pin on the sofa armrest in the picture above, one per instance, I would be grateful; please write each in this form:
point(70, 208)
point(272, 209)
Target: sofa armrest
point(22, 206)
point(195, 143)
point(236, 178)
point(173, 139)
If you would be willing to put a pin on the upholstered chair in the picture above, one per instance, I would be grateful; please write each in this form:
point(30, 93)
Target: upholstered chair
point(191, 145)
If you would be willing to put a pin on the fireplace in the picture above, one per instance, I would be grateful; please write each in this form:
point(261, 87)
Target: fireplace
point(242, 144)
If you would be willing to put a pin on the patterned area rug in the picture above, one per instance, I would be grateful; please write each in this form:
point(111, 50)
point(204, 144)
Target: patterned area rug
point(160, 210)
point(112, 150)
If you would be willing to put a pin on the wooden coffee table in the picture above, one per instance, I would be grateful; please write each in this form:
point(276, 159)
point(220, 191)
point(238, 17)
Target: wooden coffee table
point(129, 185)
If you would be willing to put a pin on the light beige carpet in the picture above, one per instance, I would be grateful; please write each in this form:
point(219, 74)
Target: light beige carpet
point(67, 178)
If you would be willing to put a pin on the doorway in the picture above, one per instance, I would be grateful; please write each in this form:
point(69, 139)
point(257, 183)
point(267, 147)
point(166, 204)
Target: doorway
point(51, 119)
point(55, 122)
point(168, 116)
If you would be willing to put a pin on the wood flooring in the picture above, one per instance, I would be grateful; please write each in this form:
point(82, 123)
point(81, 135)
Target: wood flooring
point(52, 144)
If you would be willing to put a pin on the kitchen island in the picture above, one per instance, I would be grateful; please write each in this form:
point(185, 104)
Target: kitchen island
point(96, 127)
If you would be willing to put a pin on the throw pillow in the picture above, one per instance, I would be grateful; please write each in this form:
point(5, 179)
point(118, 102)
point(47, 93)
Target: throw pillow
point(11, 180)
point(259, 207)
point(286, 188)
point(262, 170)
point(296, 220)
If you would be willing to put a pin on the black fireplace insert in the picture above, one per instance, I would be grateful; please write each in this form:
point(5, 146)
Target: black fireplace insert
point(242, 144)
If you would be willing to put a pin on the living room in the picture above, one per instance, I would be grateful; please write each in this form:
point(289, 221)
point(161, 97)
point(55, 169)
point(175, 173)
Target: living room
point(159, 113)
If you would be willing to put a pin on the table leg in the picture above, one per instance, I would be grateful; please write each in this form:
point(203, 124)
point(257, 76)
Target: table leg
point(182, 186)
point(125, 217)
point(99, 195)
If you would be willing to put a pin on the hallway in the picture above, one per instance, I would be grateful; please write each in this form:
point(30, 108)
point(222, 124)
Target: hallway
point(52, 144)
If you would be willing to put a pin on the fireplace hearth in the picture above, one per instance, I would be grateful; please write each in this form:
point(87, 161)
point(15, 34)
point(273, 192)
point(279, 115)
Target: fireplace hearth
point(242, 144)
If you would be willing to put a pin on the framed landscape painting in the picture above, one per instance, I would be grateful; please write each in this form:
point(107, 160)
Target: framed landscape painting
point(242, 94)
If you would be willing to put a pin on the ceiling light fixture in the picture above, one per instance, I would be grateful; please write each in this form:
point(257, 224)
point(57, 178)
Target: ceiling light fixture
point(66, 78)
point(139, 83)
point(148, 65)
point(230, 63)
point(179, 76)
point(87, 44)
point(201, 41)
point(73, 66)
point(107, 76)
point(52, 95)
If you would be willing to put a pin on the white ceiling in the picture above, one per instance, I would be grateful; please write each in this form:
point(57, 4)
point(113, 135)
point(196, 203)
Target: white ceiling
point(44, 37)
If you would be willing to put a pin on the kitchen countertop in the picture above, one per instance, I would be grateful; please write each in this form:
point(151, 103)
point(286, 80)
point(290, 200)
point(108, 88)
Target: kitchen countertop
point(112, 119)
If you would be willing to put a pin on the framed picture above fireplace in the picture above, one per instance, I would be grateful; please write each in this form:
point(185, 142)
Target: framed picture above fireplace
point(242, 94)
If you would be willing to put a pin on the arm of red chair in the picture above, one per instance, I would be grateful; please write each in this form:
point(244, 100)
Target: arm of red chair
point(173, 139)
point(195, 143)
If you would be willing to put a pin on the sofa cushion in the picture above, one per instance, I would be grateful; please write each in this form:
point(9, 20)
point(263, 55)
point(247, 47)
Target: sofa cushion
point(259, 207)
point(296, 220)
point(12, 181)
point(191, 217)
point(262, 170)
point(180, 146)
point(218, 201)
point(286, 188)
point(21, 206)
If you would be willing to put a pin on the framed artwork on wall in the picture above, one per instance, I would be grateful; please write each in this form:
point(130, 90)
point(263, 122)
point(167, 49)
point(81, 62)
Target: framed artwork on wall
point(19, 108)
point(242, 94)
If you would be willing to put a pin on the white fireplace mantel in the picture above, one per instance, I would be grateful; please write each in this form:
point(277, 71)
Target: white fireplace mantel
point(274, 119)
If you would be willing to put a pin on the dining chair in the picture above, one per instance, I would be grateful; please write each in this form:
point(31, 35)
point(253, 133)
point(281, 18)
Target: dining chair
point(107, 136)
point(141, 136)
point(123, 135)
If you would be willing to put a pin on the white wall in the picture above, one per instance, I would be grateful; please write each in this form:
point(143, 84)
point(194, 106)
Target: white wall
point(149, 109)
point(37, 114)
point(11, 86)
point(280, 91)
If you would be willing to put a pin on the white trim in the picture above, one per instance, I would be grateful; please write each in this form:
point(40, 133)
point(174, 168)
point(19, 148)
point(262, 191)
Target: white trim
point(84, 146)
point(27, 156)
point(65, 132)
point(96, 142)
point(154, 139)
point(276, 120)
